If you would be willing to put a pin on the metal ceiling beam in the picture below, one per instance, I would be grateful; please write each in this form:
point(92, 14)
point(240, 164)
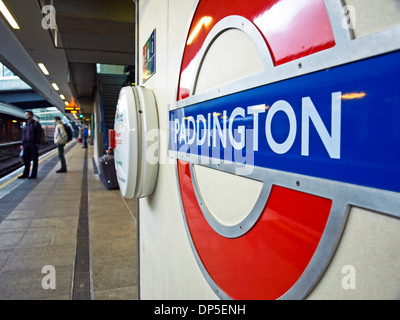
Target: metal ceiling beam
point(13, 54)
point(88, 32)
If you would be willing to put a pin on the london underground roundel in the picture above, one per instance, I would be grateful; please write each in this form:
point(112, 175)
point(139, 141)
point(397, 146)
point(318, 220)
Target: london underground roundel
point(269, 151)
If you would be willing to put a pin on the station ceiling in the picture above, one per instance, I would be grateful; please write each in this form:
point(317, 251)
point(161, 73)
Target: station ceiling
point(87, 32)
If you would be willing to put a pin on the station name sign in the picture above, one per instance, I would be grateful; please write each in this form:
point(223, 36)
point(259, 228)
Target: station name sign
point(328, 124)
point(229, 127)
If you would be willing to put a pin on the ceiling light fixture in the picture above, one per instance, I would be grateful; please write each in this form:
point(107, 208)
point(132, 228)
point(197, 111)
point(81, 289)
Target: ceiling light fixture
point(8, 16)
point(55, 86)
point(62, 96)
point(43, 68)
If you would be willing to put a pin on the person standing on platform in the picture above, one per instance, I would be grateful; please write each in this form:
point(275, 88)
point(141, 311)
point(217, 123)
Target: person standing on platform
point(85, 136)
point(60, 139)
point(32, 133)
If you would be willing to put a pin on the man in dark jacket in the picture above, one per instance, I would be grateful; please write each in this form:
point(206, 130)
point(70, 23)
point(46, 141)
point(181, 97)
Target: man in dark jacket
point(32, 133)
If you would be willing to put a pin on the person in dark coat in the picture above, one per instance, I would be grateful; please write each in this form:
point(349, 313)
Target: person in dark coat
point(31, 136)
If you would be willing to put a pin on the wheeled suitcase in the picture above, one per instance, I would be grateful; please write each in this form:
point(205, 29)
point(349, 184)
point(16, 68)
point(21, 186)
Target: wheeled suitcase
point(107, 172)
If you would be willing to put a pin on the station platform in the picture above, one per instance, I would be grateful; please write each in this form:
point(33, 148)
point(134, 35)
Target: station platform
point(65, 236)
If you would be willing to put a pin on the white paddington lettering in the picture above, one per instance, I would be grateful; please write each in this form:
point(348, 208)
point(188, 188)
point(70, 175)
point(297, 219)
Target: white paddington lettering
point(211, 131)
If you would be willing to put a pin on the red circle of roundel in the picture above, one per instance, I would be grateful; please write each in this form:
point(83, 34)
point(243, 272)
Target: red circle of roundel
point(292, 29)
point(265, 262)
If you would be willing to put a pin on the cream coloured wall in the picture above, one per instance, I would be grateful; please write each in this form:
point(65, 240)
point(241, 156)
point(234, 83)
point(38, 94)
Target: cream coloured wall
point(366, 261)
point(168, 269)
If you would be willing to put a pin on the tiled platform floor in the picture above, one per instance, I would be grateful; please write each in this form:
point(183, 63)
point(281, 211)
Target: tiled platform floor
point(42, 230)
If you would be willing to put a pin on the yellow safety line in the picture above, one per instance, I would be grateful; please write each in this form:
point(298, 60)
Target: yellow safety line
point(16, 177)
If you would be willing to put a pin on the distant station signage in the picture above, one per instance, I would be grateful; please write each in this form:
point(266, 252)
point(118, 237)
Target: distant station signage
point(72, 109)
point(149, 57)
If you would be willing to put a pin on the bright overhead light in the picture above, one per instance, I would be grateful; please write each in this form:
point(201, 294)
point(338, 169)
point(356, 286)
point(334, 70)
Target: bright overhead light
point(55, 86)
point(62, 96)
point(43, 68)
point(8, 16)
point(66, 103)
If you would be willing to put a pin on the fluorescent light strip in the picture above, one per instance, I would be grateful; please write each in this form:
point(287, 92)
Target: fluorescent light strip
point(62, 96)
point(8, 16)
point(55, 86)
point(43, 68)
